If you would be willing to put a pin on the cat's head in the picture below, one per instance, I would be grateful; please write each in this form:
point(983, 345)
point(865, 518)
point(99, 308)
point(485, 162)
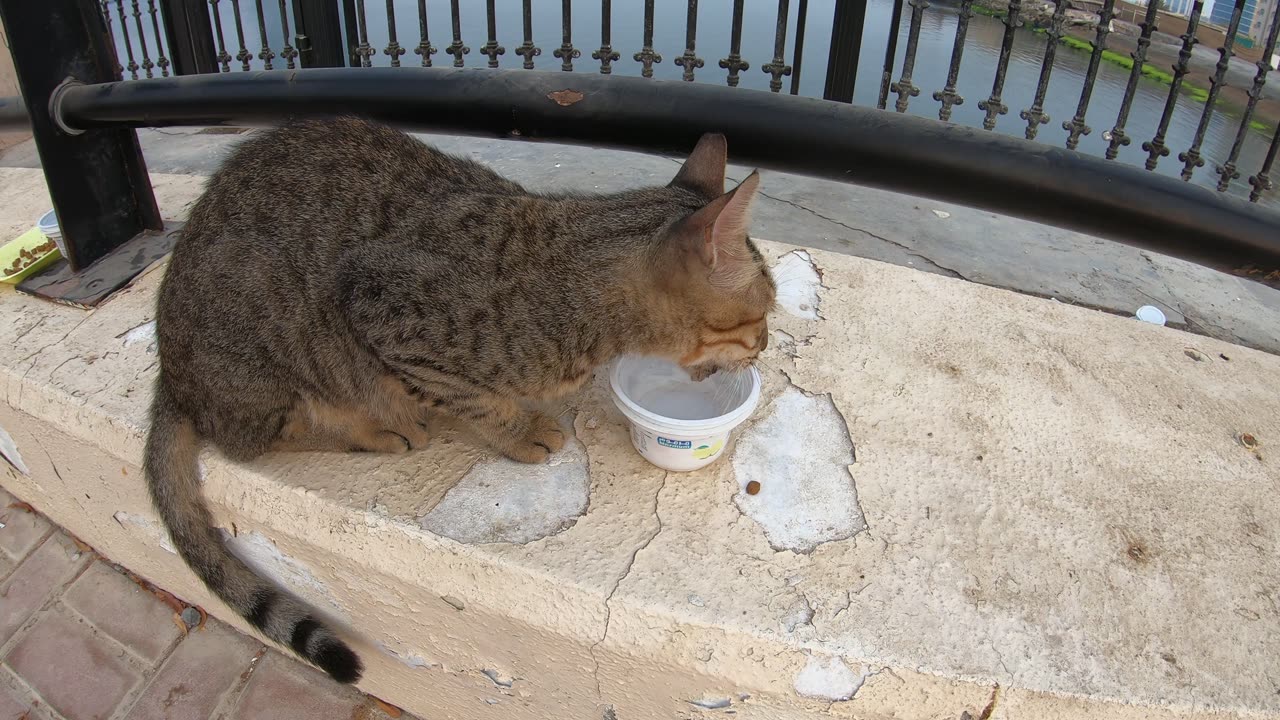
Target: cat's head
point(721, 285)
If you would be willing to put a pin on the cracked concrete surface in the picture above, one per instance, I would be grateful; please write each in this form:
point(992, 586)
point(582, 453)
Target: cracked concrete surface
point(1057, 503)
point(608, 608)
point(498, 501)
point(829, 678)
point(926, 262)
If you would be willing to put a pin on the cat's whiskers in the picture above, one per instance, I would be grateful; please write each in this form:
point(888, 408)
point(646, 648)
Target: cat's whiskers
point(720, 395)
point(740, 383)
point(762, 361)
point(788, 276)
point(730, 390)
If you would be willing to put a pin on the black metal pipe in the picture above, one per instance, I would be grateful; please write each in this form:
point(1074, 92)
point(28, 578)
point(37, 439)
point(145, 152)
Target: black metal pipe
point(803, 135)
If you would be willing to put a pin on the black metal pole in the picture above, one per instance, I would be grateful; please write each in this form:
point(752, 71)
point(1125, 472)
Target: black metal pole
point(319, 38)
point(890, 54)
point(902, 153)
point(846, 44)
point(97, 179)
point(797, 55)
point(190, 36)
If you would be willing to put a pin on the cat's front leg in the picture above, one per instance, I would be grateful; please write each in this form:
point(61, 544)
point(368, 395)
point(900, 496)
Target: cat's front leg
point(523, 435)
point(530, 437)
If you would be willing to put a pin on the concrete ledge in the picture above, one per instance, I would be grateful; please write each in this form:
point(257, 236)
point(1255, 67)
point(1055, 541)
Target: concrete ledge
point(990, 504)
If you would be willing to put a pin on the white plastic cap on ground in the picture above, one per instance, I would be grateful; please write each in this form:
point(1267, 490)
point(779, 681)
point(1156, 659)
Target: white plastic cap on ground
point(1151, 314)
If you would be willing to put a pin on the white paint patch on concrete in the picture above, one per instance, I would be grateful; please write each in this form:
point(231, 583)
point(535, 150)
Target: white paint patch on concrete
point(712, 703)
point(409, 659)
point(498, 679)
point(798, 284)
point(828, 678)
point(800, 454)
point(798, 615)
point(504, 501)
point(416, 661)
point(147, 526)
point(9, 449)
point(261, 554)
point(144, 333)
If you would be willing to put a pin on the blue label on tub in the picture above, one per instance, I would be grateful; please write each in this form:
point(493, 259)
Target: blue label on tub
point(674, 444)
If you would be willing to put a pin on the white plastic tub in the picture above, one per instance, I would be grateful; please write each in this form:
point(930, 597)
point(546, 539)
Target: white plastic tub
point(676, 423)
point(48, 225)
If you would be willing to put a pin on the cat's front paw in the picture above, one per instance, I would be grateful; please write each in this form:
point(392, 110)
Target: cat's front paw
point(543, 438)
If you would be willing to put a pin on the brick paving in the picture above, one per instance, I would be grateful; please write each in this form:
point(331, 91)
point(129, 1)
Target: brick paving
point(82, 640)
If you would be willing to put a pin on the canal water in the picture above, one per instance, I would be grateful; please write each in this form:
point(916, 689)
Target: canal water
point(937, 35)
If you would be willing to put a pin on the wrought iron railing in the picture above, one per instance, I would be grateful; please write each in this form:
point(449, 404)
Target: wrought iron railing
point(136, 32)
point(221, 48)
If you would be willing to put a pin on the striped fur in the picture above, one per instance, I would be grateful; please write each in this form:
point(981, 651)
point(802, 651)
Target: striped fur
point(173, 478)
point(339, 282)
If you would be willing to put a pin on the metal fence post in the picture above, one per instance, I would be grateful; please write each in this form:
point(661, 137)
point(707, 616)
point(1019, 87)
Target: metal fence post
point(319, 33)
point(352, 31)
point(846, 43)
point(97, 179)
point(189, 34)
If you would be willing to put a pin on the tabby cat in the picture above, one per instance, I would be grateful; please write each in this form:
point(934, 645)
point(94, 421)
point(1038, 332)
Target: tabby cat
point(389, 281)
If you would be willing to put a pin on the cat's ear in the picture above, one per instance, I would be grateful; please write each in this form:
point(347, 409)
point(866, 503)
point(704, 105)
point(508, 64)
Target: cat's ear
point(718, 233)
point(703, 172)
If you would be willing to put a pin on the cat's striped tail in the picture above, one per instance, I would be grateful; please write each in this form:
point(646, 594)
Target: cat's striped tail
point(173, 478)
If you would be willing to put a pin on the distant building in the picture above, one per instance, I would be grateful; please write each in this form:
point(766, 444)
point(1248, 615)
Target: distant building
point(1255, 20)
point(1176, 7)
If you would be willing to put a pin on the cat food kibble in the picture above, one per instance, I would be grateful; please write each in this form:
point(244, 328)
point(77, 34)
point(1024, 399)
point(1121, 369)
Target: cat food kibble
point(753, 487)
point(27, 258)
